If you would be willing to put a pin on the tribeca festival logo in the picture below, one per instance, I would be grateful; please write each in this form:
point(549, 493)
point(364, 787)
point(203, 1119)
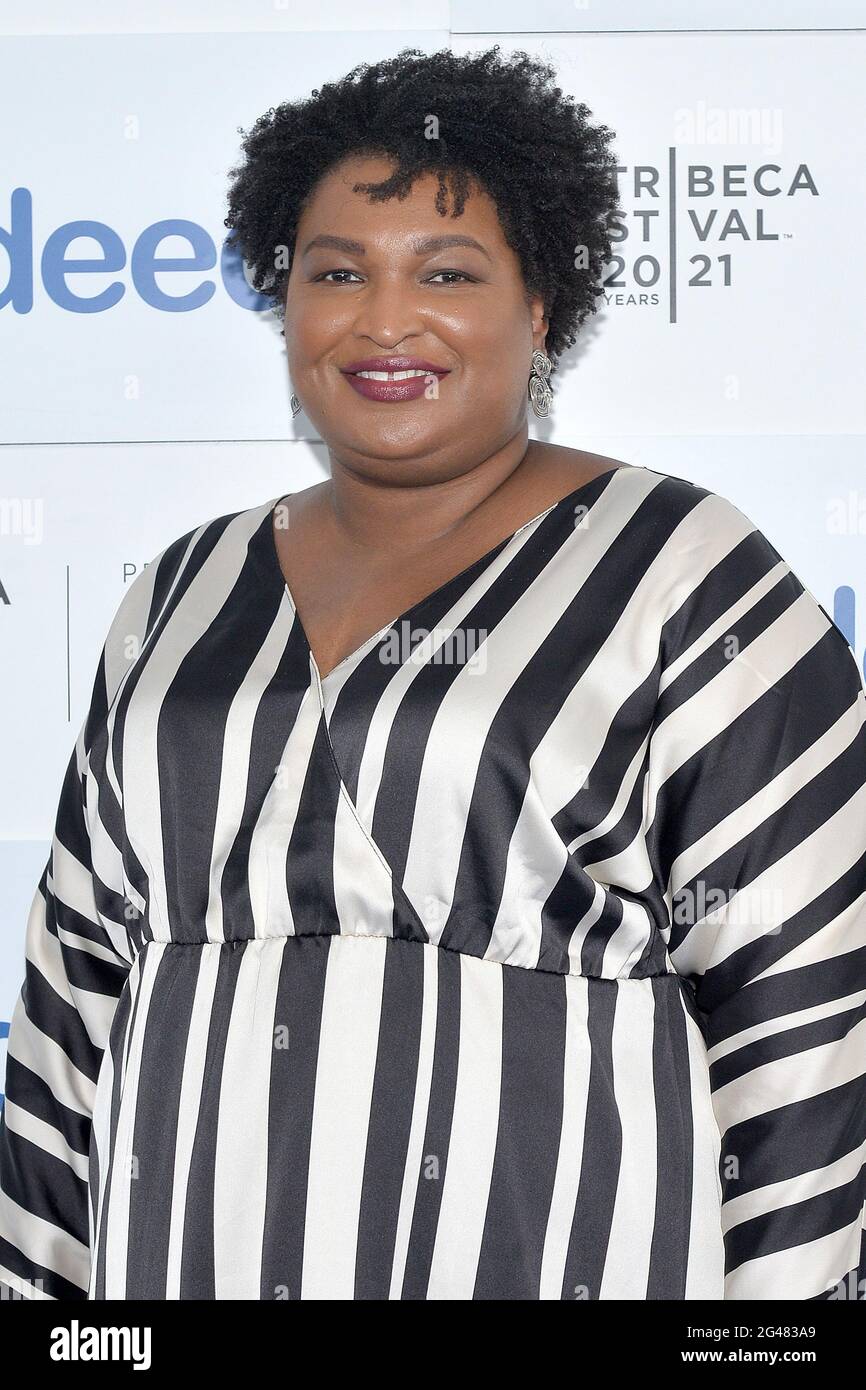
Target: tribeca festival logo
point(685, 221)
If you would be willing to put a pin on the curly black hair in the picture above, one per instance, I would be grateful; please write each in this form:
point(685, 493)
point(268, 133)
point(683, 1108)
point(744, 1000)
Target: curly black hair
point(503, 123)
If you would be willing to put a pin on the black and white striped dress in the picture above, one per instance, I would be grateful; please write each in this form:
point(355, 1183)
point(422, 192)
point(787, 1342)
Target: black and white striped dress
point(521, 957)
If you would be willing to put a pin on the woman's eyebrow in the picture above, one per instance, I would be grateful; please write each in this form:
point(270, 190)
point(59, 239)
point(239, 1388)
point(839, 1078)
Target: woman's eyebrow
point(421, 247)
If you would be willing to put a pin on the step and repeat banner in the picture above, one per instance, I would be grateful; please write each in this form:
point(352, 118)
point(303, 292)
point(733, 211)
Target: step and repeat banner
point(143, 383)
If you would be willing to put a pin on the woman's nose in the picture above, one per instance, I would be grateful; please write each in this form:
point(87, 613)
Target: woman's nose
point(389, 311)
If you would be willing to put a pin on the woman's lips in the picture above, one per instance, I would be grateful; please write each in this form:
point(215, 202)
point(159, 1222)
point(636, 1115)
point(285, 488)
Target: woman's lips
point(407, 388)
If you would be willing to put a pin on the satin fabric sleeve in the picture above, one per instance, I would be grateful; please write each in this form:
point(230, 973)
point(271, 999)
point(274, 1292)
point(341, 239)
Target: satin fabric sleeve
point(757, 796)
point(79, 945)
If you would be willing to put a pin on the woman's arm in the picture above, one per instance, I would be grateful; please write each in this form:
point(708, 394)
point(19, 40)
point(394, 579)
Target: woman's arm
point(757, 811)
point(75, 970)
point(80, 943)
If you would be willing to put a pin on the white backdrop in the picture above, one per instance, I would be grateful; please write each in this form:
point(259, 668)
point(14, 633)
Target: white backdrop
point(139, 400)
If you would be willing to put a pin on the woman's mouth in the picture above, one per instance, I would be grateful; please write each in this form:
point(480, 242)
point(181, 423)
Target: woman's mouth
point(394, 378)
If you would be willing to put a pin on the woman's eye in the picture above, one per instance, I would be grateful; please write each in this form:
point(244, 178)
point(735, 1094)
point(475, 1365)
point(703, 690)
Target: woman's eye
point(461, 275)
point(326, 273)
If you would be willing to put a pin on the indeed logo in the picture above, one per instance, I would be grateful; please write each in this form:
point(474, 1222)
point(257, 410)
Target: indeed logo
point(145, 265)
point(844, 616)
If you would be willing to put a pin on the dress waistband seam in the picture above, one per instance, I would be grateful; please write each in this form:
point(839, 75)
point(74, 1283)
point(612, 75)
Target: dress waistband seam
point(236, 942)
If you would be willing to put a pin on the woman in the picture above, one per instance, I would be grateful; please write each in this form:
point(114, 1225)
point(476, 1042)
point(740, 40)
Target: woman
point(511, 947)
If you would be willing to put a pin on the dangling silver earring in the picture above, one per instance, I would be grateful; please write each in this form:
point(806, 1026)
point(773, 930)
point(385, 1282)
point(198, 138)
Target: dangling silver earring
point(296, 405)
point(540, 392)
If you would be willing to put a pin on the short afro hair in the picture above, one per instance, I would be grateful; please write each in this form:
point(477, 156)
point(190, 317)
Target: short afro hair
point(504, 123)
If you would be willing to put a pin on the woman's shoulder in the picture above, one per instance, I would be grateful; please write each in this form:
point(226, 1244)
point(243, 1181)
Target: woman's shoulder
point(717, 575)
point(211, 540)
point(205, 554)
point(699, 526)
point(658, 493)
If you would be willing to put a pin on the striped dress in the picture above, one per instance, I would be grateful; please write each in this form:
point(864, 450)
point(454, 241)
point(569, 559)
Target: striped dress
point(522, 956)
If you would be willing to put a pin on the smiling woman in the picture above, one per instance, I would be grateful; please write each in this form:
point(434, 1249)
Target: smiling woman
point(365, 968)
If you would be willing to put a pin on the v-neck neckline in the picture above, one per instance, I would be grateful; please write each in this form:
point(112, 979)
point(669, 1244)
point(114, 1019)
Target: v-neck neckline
point(488, 558)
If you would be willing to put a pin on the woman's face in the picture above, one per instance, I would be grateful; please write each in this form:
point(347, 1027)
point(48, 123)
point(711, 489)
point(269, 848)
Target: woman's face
point(380, 292)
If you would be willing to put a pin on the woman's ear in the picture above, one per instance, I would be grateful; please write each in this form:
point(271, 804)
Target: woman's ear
point(540, 322)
